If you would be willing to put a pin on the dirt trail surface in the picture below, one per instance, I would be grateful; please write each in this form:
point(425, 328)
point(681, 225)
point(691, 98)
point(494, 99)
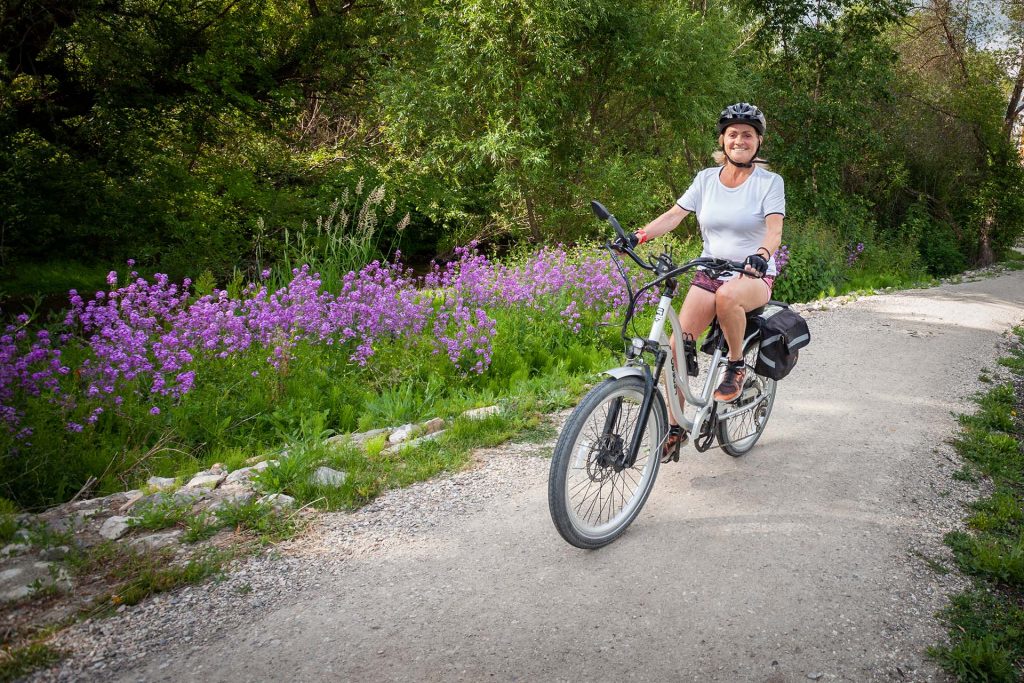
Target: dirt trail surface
point(807, 559)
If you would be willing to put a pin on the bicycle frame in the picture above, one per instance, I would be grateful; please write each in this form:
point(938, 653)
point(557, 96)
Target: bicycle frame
point(703, 402)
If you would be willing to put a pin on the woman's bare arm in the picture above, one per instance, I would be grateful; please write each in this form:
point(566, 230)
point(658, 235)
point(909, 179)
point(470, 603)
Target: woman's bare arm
point(666, 222)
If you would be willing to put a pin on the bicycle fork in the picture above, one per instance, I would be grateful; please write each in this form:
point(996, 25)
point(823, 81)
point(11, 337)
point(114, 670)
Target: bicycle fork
point(625, 455)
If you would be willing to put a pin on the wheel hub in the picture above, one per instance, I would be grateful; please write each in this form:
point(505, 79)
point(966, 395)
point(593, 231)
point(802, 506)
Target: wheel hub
point(610, 456)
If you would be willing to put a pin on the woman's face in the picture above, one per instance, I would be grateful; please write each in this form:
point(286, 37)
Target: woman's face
point(740, 142)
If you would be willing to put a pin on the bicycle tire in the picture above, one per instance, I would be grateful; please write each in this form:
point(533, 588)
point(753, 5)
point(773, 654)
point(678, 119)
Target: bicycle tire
point(737, 435)
point(591, 505)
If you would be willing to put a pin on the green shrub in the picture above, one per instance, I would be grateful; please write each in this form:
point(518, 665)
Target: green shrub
point(8, 521)
point(816, 262)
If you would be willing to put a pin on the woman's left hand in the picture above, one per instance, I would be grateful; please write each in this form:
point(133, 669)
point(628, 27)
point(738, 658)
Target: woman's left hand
point(756, 265)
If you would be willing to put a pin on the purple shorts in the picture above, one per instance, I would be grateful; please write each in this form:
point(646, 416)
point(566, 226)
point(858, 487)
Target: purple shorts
point(702, 280)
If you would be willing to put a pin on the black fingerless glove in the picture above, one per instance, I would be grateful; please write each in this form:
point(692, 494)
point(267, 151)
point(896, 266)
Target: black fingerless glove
point(630, 241)
point(758, 263)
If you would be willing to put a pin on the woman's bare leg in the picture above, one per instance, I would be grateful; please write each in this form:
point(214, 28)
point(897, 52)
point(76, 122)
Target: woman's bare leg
point(696, 314)
point(732, 301)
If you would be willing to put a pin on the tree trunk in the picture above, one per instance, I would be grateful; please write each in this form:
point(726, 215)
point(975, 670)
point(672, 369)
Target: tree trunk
point(985, 255)
point(1014, 108)
point(531, 219)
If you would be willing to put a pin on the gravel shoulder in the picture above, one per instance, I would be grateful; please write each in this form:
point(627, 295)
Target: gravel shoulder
point(811, 558)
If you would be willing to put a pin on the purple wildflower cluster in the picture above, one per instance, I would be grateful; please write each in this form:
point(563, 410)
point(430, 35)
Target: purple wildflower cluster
point(29, 365)
point(149, 337)
point(853, 253)
point(782, 257)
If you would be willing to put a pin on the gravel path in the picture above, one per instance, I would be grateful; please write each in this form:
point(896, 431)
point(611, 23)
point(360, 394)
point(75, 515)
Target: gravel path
point(808, 559)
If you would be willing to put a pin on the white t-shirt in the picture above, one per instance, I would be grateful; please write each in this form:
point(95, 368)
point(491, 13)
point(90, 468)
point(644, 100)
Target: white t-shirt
point(732, 218)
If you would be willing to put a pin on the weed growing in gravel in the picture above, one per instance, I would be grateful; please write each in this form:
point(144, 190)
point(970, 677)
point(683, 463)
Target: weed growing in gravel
point(8, 521)
point(162, 515)
point(987, 622)
point(261, 520)
point(200, 527)
point(16, 662)
point(41, 535)
point(138, 574)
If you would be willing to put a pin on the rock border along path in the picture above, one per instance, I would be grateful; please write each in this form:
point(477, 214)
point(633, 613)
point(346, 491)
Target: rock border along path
point(807, 559)
point(26, 568)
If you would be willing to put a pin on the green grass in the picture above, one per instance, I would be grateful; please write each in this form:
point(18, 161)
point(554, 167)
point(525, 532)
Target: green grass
point(54, 278)
point(136, 575)
point(261, 520)
point(8, 521)
point(986, 623)
point(201, 527)
point(162, 515)
point(16, 662)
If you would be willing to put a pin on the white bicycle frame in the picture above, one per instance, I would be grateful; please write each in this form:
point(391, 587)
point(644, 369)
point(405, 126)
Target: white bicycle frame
point(703, 402)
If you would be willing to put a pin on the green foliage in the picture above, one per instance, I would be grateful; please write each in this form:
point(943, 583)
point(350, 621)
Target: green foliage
point(195, 139)
point(987, 622)
point(508, 114)
point(991, 633)
point(8, 521)
point(200, 527)
point(815, 267)
point(18, 662)
point(161, 515)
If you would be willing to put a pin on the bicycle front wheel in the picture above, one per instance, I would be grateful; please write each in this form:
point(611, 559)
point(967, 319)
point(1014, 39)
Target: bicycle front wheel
point(591, 495)
point(746, 417)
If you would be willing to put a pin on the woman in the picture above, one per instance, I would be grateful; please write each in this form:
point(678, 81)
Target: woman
point(740, 208)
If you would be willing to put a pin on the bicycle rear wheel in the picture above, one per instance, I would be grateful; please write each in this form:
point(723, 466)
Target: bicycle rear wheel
point(747, 416)
point(591, 500)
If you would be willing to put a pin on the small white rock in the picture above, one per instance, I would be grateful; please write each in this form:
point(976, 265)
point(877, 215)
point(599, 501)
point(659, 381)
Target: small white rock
point(205, 480)
point(132, 500)
point(14, 549)
point(160, 540)
point(160, 483)
point(401, 434)
point(325, 476)
point(185, 495)
point(241, 475)
point(55, 553)
point(115, 527)
point(277, 500)
point(430, 426)
point(480, 413)
point(426, 437)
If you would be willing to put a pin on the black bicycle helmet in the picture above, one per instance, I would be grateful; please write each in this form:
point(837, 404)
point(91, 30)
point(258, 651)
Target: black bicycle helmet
point(742, 112)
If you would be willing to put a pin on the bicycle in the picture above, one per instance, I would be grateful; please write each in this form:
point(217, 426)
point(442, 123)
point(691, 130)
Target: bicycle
point(609, 451)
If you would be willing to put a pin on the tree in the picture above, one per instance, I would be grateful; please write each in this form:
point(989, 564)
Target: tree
point(165, 128)
point(511, 115)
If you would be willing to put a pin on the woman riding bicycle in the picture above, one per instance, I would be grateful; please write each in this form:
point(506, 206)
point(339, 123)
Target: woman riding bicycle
point(740, 208)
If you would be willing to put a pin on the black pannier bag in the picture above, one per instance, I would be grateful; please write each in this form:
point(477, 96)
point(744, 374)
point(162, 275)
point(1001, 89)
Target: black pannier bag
point(783, 334)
